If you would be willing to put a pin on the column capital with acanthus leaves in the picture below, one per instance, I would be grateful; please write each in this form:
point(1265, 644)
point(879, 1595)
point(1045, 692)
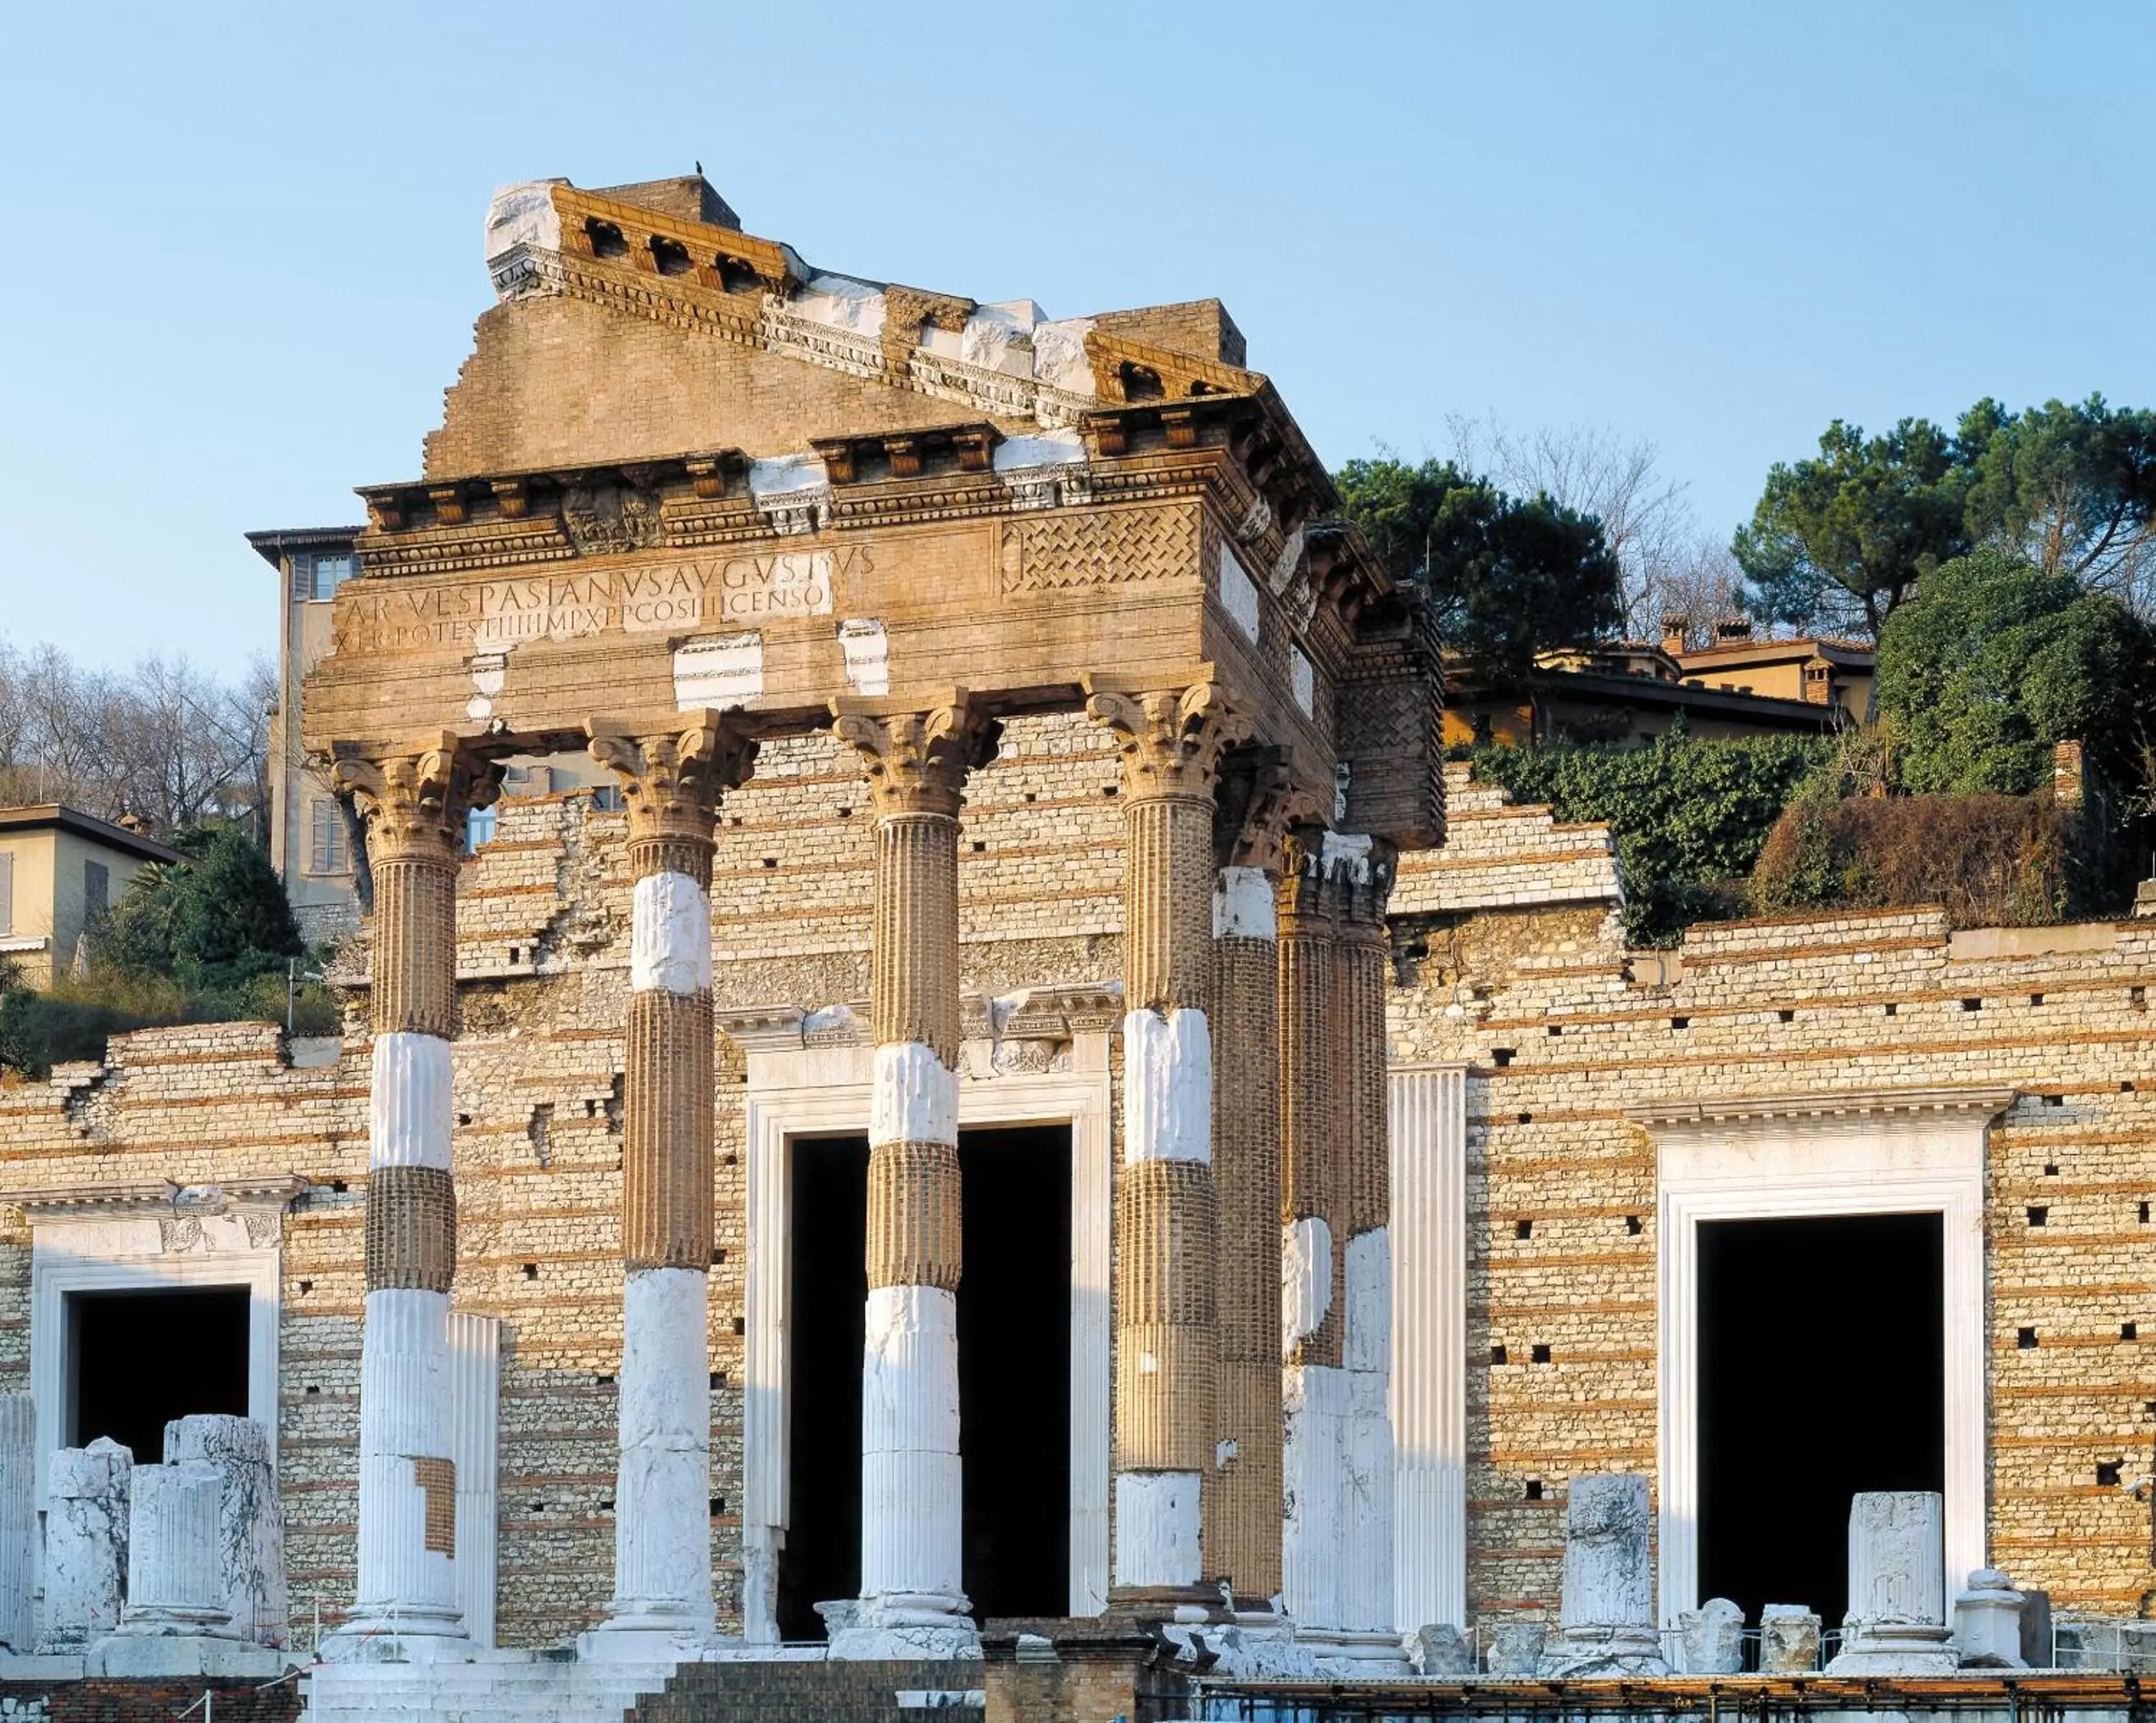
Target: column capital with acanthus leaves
point(1170, 739)
point(413, 795)
point(917, 757)
point(674, 770)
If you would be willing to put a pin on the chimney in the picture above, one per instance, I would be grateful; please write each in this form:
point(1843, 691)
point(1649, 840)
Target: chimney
point(1676, 626)
point(1732, 628)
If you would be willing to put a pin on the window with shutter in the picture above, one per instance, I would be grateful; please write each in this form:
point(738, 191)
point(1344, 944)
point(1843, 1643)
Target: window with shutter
point(96, 889)
point(327, 849)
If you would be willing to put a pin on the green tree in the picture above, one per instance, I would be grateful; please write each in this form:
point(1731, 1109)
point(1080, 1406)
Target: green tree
point(1847, 534)
point(218, 918)
point(1993, 661)
point(2072, 489)
point(1507, 577)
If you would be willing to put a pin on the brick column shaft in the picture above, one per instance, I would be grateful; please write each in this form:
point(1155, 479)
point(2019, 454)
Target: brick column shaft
point(1167, 1343)
point(1243, 1519)
point(912, 1501)
point(674, 772)
point(414, 803)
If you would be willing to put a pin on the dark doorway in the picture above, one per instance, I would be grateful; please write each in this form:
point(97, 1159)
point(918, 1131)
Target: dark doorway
point(1014, 1374)
point(1822, 1373)
point(138, 1360)
point(826, 1327)
point(1014, 1370)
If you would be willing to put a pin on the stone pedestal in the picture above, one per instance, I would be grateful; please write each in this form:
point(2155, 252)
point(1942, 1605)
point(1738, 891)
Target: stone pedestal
point(1788, 1639)
point(250, 1533)
point(1987, 1623)
point(18, 1523)
point(1896, 1624)
point(1711, 1639)
point(85, 1545)
point(174, 1585)
point(1609, 1614)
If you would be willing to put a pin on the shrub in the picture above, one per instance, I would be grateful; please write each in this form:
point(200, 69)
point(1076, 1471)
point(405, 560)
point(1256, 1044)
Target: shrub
point(1990, 860)
point(1688, 815)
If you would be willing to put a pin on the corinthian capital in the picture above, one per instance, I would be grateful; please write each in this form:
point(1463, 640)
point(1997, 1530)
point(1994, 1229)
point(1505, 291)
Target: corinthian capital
point(1170, 739)
point(414, 798)
point(917, 759)
point(1259, 802)
point(674, 770)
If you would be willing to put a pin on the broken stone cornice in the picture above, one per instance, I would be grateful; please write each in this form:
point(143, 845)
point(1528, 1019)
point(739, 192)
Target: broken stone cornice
point(1850, 1104)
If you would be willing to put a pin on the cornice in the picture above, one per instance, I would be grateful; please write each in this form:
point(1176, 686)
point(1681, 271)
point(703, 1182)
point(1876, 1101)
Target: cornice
point(107, 1202)
point(1985, 1103)
point(1049, 1014)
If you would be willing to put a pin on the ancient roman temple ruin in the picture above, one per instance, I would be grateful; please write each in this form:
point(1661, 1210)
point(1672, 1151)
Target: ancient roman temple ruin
point(944, 1095)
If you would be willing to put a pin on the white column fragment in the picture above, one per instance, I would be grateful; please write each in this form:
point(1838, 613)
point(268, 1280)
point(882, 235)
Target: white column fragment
point(408, 1586)
point(474, 1403)
point(250, 1538)
point(1427, 1124)
point(85, 1544)
point(1608, 1616)
point(662, 1496)
point(406, 1579)
point(1314, 1415)
point(1366, 1457)
point(912, 1556)
point(662, 1517)
point(174, 1585)
point(18, 1522)
point(1896, 1624)
point(1167, 1115)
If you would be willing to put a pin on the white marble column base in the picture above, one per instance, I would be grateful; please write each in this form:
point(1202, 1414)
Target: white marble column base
point(1897, 1648)
point(956, 1639)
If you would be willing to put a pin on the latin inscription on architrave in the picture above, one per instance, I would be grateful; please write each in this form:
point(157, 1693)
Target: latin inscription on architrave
point(652, 598)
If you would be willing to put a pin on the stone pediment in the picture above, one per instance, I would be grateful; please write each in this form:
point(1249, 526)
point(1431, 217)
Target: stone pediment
point(684, 469)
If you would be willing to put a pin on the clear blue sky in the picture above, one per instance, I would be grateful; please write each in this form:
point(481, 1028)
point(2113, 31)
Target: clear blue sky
point(244, 242)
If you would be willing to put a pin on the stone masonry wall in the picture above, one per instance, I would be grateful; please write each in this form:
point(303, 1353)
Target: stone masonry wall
point(1526, 982)
point(1563, 1031)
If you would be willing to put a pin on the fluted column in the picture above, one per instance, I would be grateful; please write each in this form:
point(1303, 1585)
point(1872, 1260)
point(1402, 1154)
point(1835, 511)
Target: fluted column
point(912, 1564)
point(1166, 1220)
point(1243, 1516)
point(18, 1523)
point(173, 1585)
point(1363, 878)
point(673, 772)
point(1313, 1388)
point(414, 803)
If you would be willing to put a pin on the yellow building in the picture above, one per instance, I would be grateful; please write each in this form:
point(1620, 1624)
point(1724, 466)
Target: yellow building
point(59, 871)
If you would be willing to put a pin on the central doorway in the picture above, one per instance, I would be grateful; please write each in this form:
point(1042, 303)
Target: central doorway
point(1822, 1373)
point(136, 1360)
point(1014, 1315)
